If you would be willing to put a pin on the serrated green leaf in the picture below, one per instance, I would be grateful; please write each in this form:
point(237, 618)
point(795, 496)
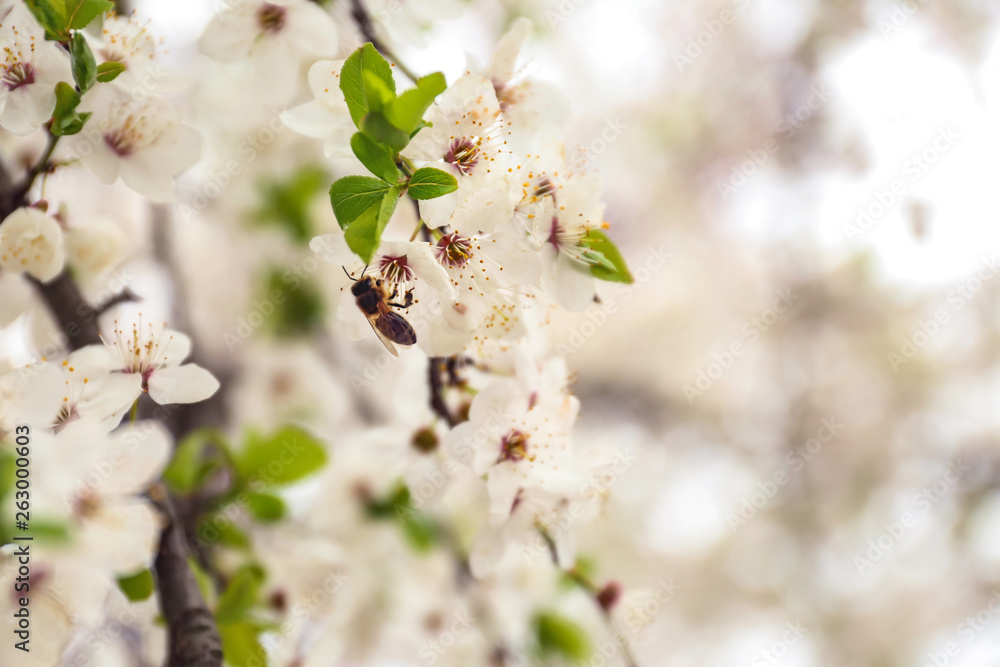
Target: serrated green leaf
point(84, 64)
point(79, 13)
point(352, 80)
point(378, 128)
point(380, 160)
point(557, 635)
point(109, 71)
point(283, 458)
point(137, 587)
point(407, 110)
point(50, 14)
point(266, 507)
point(352, 196)
point(365, 234)
point(429, 183)
point(608, 263)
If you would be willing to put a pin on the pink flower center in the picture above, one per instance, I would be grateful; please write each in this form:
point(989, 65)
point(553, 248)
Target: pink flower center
point(463, 154)
point(396, 270)
point(271, 17)
point(513, 447)
point(17, 75)
point(453, 251)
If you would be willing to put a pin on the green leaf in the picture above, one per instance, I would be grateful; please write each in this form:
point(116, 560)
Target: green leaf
point(352, 80)
point(557, 635)
point(365, 234)
point(378, 128)
point(58, 17)
point(287, 456)
point(189, 467)
point(79, 13)
point(266, 507)
point(379, 159)
point(203, 580)
point(109, 71)
point(288, 203)
point(137, 587)
point(65, 119)
point(241, 644)
point(299, 308)
point(420, 530)
point(606, 262)
point(218, 528)
point(240, 595)
point(352, 196)
point(84, 65)
point(428, 183)
point(51, 15)
point(407, 111)
point(377, 92)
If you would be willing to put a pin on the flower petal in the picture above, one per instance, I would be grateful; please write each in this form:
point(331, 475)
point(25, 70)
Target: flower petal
point(181, 384)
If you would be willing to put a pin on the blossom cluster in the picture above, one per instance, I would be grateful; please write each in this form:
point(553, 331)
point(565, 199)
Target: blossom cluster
point(459, 225)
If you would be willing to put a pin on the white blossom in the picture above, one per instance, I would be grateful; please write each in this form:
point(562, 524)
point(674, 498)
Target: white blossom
point(29, 71)
point(32, 242)
point(143, 142)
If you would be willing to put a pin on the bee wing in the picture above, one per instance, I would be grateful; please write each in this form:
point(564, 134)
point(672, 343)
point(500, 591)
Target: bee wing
point(395, 327)
point(385, 341)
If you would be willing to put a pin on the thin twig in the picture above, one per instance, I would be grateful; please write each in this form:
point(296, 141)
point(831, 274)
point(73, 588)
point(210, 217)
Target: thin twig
point(364, 21)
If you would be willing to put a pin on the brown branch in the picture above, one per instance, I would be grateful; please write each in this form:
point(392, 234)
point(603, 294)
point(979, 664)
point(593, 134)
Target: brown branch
point(364, 21)
point(194, 638)
point(435, 367)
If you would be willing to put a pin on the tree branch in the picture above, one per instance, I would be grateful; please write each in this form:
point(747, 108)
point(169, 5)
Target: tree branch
point(364, 21)
point(194, 639)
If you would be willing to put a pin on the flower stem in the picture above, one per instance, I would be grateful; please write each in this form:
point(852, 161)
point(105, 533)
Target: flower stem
point(592, 590)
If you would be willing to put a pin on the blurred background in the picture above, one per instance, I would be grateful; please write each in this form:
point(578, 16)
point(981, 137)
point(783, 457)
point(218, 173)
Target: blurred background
point(804, 374)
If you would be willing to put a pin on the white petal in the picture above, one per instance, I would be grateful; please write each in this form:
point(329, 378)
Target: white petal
point(181, 384)
point(118, 392)
point(501, 68)
point(124, 535)
point(27, 108)
point(575, 285)
point(175, 347)
point(313, 29)
point(138, 453)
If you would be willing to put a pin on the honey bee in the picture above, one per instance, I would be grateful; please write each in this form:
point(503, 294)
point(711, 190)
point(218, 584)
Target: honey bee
point(390, 327)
